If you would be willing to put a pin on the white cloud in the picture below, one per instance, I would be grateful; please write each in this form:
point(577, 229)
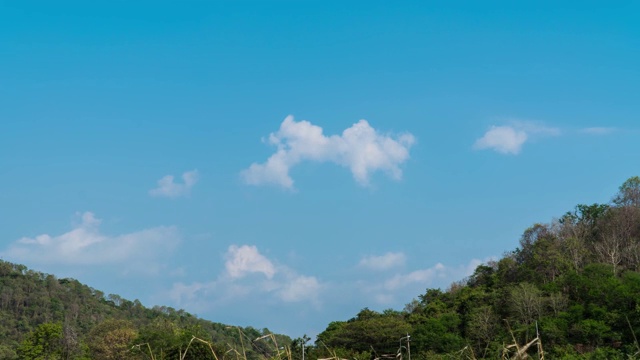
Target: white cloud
point(509, 139)
point(246, 259)
point(170, 189)
point(598, 130)
point(360, 148)
point(423, 276)
point(279, 283)
point(299, 288)
point(503, 139)
point(403, 285)
point(84, 244)
point(384, 262)
point(304, 295)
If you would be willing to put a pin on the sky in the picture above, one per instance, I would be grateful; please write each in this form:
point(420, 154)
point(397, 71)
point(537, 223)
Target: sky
point(285, 164)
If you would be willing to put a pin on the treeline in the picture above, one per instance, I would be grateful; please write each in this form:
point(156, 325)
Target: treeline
point(574, 282)
point(42, 317)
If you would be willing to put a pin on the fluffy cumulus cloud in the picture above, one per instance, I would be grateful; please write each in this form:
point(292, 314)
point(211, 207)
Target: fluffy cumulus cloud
point(85, 244)
point(167, 187)
point(245, 260)
point(276, 282)
point(383, 262)
point(509, 139)
point(360, 148)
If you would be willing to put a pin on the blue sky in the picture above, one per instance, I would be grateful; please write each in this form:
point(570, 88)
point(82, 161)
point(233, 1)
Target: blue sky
point(284, 164)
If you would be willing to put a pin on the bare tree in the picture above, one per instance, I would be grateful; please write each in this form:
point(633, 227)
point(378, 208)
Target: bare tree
point(609, 250)
point(526, 300)
point(483, 326)
point(616, 245)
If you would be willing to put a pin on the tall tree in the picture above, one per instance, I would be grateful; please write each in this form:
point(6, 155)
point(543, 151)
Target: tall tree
point(629, 193)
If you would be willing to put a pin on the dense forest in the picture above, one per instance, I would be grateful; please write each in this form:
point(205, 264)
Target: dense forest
point(570, 290)
point(42, 317)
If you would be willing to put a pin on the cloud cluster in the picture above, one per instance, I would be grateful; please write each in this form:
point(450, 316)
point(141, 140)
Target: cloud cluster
point(248, 274)
point(272, 281)
point(361, 148)
point(168, 188)
point(84, 244)
point(509, 139)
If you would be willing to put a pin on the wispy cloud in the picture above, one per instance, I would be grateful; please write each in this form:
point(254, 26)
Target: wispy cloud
point(598, 130)
point(509, 139)
point(299, 288)
point(361, 148)
point(86, 245)
point(168, 188)
point(405, 284)
point(383, 262)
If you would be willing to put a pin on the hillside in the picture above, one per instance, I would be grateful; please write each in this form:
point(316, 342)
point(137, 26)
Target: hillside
point(573, 284)
point(42, 317)
point(570, 290)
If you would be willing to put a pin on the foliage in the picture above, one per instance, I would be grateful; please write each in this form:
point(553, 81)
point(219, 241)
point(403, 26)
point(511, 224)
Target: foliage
point(571, 289)
point(44, 343)
point(111, 340)
point(42, 317)
point(575, 282)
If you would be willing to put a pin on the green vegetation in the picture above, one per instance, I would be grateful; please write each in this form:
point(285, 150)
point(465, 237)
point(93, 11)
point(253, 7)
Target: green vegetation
point(571, 290)
point(44, 318)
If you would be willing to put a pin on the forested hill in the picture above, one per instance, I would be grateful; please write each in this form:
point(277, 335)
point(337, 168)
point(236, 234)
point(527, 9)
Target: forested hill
point(571, 290)
point(42, 317)
point(575, 282)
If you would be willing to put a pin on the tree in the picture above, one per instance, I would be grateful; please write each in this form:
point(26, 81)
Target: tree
point(165, 339)
point(526, 301)
point(617, 245)
point(439, 333)
point(576, 252)
point(111, 340)
point(629, 193)
point(44, 343)
point(369, 329)
point(609, 250)
point(482, 327)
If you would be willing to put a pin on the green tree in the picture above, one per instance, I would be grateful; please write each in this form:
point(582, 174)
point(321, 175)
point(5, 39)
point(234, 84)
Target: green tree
point(628, 193)
point(166, 339)
point(112, 340)
point(44, 343)
point(439, 333)
point(369, 329)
